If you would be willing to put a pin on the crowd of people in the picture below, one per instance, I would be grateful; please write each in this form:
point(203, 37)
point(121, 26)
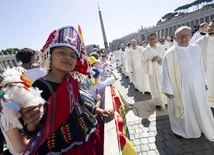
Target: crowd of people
point(177, 71)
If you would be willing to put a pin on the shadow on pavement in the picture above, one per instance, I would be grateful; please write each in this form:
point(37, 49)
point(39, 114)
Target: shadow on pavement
point(169, 144)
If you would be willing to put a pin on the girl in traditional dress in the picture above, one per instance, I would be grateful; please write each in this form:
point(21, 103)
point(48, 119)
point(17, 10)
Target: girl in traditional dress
point(67, 127)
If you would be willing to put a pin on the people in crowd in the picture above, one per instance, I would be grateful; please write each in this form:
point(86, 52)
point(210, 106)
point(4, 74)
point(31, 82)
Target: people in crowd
point(122, 58)
point(134, 66)
point(28, 59)
point(161, 42)
point(98, 86)
point(185, 84)
point(200, 33)
point(206, 44)
point(152, 62)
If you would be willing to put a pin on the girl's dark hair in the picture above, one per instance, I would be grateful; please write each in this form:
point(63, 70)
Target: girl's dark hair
point(24, 55)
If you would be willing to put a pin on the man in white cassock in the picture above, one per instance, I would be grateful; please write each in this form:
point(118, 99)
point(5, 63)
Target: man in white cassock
point(200, 33)
point(127, 73)
point(184, 83)
point(152, 64)
point(116, 54)
point(122, 58)
point(140, 79)
point(206, 44)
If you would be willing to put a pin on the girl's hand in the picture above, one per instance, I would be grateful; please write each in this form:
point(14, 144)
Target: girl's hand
point(105, 113)
point(32, 116)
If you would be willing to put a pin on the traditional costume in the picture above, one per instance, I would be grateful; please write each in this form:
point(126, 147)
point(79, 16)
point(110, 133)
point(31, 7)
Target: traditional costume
point(184, 78)
point(67, 126)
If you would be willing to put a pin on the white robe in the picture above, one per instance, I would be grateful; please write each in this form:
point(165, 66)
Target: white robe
point(206, 44)
point(116, 56)
point(195, 37)
point(122, 61)
point(140, 79)
point(127, 73)
point(183, 72)
point(154, 71)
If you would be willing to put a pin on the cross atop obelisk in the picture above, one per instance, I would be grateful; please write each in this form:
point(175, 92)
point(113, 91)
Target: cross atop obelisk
point(103, 29)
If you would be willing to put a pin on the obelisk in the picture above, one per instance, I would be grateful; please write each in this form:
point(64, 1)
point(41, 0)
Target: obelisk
point(103, 30)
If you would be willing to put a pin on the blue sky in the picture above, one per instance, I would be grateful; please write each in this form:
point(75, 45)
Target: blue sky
point(27, 23)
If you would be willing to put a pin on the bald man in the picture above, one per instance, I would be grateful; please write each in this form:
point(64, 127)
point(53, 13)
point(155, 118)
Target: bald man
point(184, 83)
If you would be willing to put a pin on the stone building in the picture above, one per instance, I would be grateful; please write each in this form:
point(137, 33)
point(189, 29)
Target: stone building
point(7, 61)
point(124, 40)
point(167, 28)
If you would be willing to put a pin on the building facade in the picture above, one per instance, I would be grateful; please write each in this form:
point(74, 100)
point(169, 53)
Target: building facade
point(167, 28)
point(7, 61)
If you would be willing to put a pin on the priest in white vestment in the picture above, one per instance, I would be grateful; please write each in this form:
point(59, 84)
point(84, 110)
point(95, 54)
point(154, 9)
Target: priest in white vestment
point(122, 58)
point(206, 44)
point(140, 79)
point(184, 83)
point(152, 64)
point(200, 33)
point(127, 73)
point(116, 54)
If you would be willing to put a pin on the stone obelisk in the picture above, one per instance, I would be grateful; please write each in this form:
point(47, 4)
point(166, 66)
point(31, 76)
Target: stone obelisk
point(103, 30)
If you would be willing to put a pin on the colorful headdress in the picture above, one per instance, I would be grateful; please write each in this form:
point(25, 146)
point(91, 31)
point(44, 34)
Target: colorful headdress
point(68, 37)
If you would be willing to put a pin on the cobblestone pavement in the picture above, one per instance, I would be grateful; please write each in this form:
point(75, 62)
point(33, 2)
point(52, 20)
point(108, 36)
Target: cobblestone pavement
point(152, 135)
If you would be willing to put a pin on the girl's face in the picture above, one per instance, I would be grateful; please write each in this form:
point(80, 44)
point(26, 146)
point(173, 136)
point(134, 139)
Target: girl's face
point(63, 59)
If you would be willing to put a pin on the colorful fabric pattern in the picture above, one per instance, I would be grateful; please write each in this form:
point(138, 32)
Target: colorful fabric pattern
point(68, 125)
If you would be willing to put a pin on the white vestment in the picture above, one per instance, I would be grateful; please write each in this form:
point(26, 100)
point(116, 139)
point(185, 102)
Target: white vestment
point(140, 79)
point(195, 37)
point(116, 56)
point(127, 73)
point(206, 44)
point(154, 71)
point(122, 61)
point(184, 77)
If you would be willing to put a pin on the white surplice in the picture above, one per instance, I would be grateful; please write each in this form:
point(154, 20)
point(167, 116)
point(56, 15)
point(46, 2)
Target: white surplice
point(140, 79)
point(184, 77)
point(154, 71)
point(116, 56)
point(122, 61)
point(206, 44)
point(127, 72)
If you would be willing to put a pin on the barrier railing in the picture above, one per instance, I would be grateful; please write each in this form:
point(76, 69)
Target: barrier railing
point(111, 143)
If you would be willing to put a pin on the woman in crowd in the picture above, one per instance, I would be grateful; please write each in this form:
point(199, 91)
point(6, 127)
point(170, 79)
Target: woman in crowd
point(28, 59)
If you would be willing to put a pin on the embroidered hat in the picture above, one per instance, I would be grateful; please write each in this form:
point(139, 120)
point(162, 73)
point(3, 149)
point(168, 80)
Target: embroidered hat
point(68, 37)
point(65, 36)
point(96, 73)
